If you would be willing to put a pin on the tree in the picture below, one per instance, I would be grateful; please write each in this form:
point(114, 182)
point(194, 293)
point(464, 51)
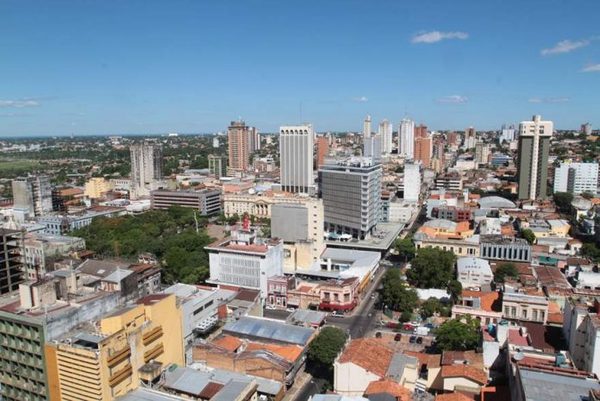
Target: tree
point(323, 350)
point(455, 335)
point(432, 306)
point(504, 270)
point(455, 289)
point(405, 248)
point(563, 201)
point(528, 235)
point(587, 195)
point(432, 268)
point(396, 295)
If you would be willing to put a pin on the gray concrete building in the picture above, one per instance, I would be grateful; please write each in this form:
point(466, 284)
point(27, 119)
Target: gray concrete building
point(11, 266)
point(532, 160)
point(146, 168)
point(217, 165)
point(32, 196)
point(207, 201)
point(499, 247)
point(296, 145)
point(351, 193)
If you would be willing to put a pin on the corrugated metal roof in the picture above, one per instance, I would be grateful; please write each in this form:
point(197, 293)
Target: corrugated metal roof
point(269, 329)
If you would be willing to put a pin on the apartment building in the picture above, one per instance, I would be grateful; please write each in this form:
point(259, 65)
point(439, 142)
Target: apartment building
point(206, 201)
point(526, 307)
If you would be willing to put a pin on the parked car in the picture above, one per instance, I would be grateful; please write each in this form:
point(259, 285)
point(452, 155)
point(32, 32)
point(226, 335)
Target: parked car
point(412, 339)
point(398, 337)
point(378, 334)
point(419, 340)
point(408, 327)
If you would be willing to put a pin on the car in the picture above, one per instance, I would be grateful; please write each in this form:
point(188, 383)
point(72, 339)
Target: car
point(419, 340)
point(337, 313)
point(378, 334)
point(412, 339)
point(398, 337)
point(290, 310)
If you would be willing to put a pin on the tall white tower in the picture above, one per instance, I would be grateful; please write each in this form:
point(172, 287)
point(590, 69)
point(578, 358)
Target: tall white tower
point(406, 138)
point(385, 131)
point(296, 158)
point(367, 127)
point(146, 168)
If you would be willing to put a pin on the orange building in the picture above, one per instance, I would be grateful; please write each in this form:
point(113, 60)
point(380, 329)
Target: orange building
point(322, 150)
point(423, 148)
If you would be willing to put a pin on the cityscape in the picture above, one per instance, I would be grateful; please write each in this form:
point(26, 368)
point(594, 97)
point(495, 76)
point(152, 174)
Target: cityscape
point(369, 249)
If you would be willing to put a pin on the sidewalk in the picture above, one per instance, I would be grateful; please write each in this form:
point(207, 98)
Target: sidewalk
point(302, 379)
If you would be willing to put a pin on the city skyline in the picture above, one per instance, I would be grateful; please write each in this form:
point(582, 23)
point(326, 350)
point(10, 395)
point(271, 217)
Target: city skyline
point(152, 67)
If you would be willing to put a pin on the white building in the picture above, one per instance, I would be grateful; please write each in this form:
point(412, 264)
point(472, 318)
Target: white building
point(473, 272)
point(372, 148)
point(367, 127)
point(581, 328)
point(146, 168)
point(532, 159)
point(576, 178)
point(508, 134)
point(406, 138)
point(243, 260)
point(385, 131)
point(412, 182)
point(482, 153)
point(32, 197)
point(296, 154)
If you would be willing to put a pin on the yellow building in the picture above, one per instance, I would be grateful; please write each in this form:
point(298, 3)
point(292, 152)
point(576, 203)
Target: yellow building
point(132, 344)
point(96, 186)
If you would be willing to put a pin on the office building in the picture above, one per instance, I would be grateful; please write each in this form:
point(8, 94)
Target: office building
point(217, 165)
point(245, 260)
point(508, 134)
point(97, 187)
point(322, 151)
point(386, 132)
point(32, 196)
point(507, 249)
point(351, 193)
point(532, 159)
point(130, 346)
point(423, 150)
point(206, 201)
point(576, 178)
point(406, 138)
point(412, 182)
point(241, 139)
point(372, 148)
point(146, 168)
point(40, 250)
point(296, 158)
point(367, 127)
point(37, 314)
point(11, 257)
point(470, 138)
point(482, 153)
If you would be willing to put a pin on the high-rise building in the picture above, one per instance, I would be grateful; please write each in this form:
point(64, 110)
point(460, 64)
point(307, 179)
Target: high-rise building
point(296, 158)
point(11, 260)
point(576, 178)
point(215, 142)
point(423, 149)
point(146, 168)
point(406, 138)
point(438, 154)
point(586, 128)
point(351, 193)
point(470, 138)
point(412, 182)
point(253, 140)
point(239, 141)
point(385, 131)
point(453, 139)
point(508, 134)
point(482, 153)
point(322, 150)
point(532, 160)
point(32, 196)
point(367, 127)
point(217, 165)
point(421, 131)
point(372, 148)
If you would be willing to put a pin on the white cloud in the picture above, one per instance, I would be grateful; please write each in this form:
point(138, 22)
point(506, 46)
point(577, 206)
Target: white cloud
point(591, 68)
point(20, 103)
point(453, 99)
point(437, 36)
point(361, 99)
point(565, 46)
point(549, 100)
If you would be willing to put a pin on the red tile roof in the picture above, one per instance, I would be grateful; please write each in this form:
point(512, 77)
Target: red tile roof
point(466, 371)
point(390, 387)
point(453, 397)
point(370, 354)
point(228, 343)
point(490, 301)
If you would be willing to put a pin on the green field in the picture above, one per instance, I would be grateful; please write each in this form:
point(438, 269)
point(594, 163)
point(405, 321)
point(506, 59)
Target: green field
point(11, 167)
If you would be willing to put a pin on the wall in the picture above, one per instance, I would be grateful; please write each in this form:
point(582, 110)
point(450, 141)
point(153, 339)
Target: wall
point(350, 379)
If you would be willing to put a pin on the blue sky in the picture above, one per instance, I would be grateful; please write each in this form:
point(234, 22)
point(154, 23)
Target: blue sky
point(118, 67)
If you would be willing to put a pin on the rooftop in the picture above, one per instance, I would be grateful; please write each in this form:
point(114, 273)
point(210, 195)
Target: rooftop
point(369, 353)
point(269, 330)
point(388, 386)
point(472, 373)
point(554, 386)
